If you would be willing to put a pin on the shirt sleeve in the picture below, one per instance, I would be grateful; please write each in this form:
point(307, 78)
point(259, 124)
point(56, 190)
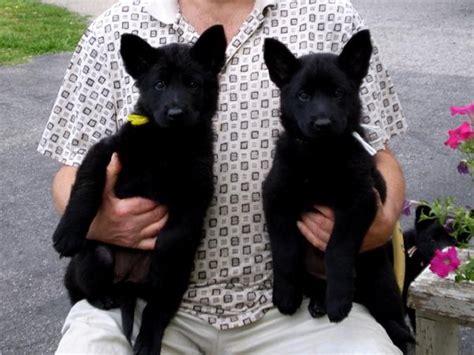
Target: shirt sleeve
point(85, 108)
point(382, 114)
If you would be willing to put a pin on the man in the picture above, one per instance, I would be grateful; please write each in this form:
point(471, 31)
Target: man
point(227, 307)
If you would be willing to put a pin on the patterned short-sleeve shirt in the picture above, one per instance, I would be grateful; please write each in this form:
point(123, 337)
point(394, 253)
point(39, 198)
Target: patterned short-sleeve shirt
point(231, 283)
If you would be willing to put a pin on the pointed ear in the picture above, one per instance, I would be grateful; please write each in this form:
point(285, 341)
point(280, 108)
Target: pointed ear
point(281, 63)
point(209, 50)
point(355, 56)
point(422, 210)
point(138, 56)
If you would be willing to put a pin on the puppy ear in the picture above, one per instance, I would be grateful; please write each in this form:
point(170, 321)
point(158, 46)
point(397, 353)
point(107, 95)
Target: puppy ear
point(209, 50)
point(355, 56)
point(138, 56)
point(423, 210)
point(281, 63)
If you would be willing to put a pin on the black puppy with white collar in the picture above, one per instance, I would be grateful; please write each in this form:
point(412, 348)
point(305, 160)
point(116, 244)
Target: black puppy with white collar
point(319, 159)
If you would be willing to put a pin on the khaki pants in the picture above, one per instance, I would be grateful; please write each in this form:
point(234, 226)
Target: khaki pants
point(88, 330)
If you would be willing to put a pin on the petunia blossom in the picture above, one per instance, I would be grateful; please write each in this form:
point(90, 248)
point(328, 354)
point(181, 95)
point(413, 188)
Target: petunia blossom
point(406, 208)
point(462, 110)
point(459, 134)
point(445, 262)
point(463, 167)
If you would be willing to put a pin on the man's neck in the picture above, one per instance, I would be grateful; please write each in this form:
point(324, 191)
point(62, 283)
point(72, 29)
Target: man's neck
point(205, 13)
point(216, 7)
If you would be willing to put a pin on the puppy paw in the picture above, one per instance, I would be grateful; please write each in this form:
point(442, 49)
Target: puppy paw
point(67, 245)
point(287, 299)
point(105, 302)
point(317, 308)
point(339, 310)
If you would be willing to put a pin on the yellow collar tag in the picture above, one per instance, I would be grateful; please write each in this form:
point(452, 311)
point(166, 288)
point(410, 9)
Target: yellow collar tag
point(137, 120)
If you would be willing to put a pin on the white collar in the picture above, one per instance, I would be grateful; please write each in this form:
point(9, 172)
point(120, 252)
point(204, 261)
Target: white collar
point(364, 144)
point(166, 11)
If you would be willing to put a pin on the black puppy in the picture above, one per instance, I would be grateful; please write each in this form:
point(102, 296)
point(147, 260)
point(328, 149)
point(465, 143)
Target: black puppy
point(319, 161)
point(166, 153)
point(420, 245)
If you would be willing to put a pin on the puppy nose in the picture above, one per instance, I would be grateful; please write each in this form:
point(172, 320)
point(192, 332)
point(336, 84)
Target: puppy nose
point(174, 113)
point(321, 123)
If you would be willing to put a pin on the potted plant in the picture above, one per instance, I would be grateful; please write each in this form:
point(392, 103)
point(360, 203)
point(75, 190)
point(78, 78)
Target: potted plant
point(457, 220)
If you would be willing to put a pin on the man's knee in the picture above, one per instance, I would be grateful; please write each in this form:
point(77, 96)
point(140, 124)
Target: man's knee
point(88, 329)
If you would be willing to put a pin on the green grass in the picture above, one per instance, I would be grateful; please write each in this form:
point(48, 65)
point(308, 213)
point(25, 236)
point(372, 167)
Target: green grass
point(29, 28)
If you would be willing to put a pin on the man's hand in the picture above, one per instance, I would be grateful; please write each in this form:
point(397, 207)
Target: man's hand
point(131, 222)
point(317, 226)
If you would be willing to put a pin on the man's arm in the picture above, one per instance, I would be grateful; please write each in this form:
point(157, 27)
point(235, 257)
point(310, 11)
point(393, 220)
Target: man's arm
point(389, 213)
point(62, 184)
point(317, 226)
point(132, 222)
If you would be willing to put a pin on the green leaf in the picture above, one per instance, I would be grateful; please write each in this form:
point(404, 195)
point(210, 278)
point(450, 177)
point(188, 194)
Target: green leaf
point(466, 271)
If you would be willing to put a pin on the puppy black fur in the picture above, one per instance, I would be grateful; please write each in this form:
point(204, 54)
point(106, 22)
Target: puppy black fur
point(420, 245)
point(168, 160)
point(318, 161)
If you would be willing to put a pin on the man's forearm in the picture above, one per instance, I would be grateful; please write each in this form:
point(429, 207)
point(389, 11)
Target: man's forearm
point(62, 184)
point(390, 212)
point(392, 172)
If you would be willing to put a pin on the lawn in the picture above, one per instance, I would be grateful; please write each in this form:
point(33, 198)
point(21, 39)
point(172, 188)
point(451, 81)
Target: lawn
point(29, 28)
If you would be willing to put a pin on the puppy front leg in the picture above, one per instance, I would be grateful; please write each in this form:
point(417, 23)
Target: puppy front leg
point(85, 200)
point(286, 243)
point(349, 230)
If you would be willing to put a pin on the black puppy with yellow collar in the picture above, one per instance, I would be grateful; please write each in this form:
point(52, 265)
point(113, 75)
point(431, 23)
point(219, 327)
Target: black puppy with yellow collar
point(166, 153)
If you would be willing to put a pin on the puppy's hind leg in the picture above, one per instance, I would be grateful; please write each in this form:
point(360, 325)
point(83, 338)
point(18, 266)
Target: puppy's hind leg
point(169, 285)
point(316, 289)
point(127, 309)
point(377, 289)
point(169, 274)
point(74, 292)
point(90, 275)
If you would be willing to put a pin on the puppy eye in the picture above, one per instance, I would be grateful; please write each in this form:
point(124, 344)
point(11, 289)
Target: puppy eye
point(160, 85)
point(303, 96)
point(338, 93)
point(192, 84)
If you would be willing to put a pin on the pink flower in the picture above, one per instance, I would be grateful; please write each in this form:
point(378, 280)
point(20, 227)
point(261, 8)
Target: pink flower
point(462, 110)
point(459, 134)
point(445, 262)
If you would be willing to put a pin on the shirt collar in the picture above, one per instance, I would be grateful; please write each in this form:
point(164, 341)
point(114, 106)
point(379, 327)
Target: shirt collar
point(166, 11)
point(262, 4)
